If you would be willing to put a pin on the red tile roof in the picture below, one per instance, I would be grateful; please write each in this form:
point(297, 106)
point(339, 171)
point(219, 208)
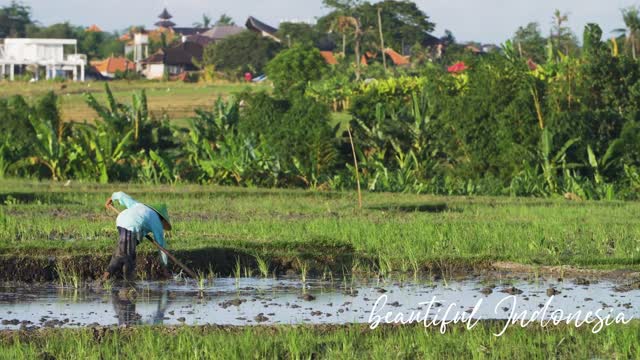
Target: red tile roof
point(397, 58)
point(113, 64)
point(93, 28)
point(329, 58)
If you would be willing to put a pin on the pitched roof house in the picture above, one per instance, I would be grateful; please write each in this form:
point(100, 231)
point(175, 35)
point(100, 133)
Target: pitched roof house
point(261, 28)
point(215, 34)
point(172, 61)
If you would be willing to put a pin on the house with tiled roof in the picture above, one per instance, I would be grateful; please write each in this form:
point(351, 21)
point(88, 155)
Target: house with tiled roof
point(172, 61)
point(111, 66)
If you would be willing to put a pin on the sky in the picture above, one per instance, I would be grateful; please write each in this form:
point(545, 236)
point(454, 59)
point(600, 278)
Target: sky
point(486, 21)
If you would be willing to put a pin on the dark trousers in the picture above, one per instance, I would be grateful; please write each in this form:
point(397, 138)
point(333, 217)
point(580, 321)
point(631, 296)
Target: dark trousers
point(124, 256)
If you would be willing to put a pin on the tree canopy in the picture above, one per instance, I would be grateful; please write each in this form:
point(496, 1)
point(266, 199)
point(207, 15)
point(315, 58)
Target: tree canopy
point(244, 52)
point(14, 20)
point(403, 23)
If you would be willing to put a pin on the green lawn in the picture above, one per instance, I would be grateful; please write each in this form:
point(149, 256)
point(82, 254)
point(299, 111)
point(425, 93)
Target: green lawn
point(178, 100)
point(394, 232)
point(324, 342)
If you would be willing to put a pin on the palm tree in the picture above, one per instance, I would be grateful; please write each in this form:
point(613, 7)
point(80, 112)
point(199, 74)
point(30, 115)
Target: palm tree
point(225, 20)
point(631, 17)
point(206, 21)
point(343, 24)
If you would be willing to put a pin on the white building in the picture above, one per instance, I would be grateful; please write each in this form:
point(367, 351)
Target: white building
point(47, 53)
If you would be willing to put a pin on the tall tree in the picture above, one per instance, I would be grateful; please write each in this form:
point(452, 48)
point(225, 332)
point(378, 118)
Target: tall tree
point(562, 38)
point(403, 23)
point(14, 19)
point(529, 42)
point(631, 17)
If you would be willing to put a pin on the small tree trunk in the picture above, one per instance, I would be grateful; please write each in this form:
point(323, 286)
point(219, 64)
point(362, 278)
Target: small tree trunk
point(344, 44)
point(382, 48)
point(357, 51)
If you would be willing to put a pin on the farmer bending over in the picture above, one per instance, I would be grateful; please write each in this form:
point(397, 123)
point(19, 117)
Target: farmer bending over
point(134, 224)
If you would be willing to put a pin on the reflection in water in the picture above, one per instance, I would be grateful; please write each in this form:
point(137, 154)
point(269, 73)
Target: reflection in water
point(124, 305)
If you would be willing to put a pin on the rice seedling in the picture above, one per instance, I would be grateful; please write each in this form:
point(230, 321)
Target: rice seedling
point(201, 281)
point(263, 266)
point(68, 276)
point(237, 271)
point(107, 285)
point(304, 270)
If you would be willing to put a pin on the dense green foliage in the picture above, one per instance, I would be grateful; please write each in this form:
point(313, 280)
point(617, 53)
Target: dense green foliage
point(403, 23)
point(537, 117)
point(237, 54)
point(292, 69)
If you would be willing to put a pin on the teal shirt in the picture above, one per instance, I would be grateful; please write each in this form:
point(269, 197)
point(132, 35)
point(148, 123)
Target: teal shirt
point(140, 219)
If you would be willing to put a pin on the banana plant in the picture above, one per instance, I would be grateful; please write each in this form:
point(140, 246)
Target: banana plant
point(106, 149)
point(49, 150)
point(551, 162)
point(601, 165)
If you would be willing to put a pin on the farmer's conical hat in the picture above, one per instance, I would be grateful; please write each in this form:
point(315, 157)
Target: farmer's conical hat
point(161, 210)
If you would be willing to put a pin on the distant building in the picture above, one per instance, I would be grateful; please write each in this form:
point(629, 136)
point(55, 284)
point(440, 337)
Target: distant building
point(217, 33)
point(394, 56)
point(93, 28)
point(165, 20)
point(172, 61)
point(261, 28)
point(112, 65)
point(51, 54)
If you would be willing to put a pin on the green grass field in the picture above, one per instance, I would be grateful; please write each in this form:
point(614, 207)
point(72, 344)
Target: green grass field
point(324, 342)
point(176, 99)
point(397, 232)
point(393, 233)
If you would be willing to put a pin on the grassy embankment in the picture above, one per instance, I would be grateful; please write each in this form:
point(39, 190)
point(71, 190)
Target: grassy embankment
point(44, 223)
point(343, 342)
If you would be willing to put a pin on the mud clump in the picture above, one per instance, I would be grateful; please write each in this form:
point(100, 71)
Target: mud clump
point(582, 281)
point(234, 302)
point(307, 297)
point(486, 291)
point(553, 291)
point(628, 287)
point(512, 291)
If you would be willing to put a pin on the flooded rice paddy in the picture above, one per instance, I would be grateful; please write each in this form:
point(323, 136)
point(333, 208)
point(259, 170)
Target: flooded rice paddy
point(252, 301)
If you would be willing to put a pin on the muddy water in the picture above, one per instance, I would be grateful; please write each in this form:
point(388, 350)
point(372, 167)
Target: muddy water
point(253, 301)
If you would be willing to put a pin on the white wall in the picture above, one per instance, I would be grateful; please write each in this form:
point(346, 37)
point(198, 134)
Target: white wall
point(154, 71)
point(32, 50)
